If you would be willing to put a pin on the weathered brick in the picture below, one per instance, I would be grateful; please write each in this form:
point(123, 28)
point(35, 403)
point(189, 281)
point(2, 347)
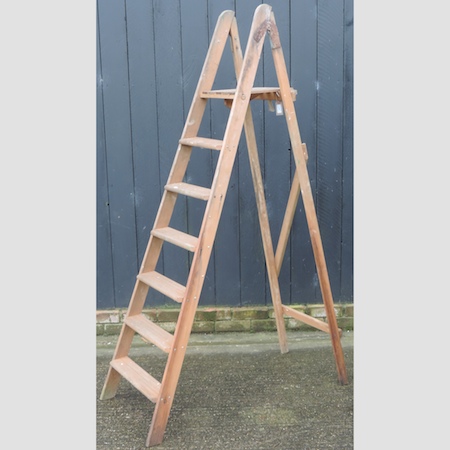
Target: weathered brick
point(232, 325)
point(292, 324)
point(168, 326)
point(345, 323)
point(306, 327)
point(108, 316)
point(100, 329)
point(247, 313)
point(320, 313)
point(205, 315)
point(263, 325)
point(168, 315)
point(203, 327)
point(112, 329)
point(151, 314)
point(300, 308)
point(349, 311)
point(223, 314)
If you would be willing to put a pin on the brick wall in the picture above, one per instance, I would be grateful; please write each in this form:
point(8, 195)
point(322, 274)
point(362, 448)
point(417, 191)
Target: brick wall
point(223, 319)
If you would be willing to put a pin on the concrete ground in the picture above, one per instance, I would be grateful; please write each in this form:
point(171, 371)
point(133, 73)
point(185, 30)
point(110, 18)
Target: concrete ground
point(236, 391)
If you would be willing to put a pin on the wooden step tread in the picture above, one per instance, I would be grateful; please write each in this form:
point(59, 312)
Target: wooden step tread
point(257, 93)
point(138, 377)
point(176, 237)
point(191, 190)
point(164, 285)
point(202, 142)
point(150, 331)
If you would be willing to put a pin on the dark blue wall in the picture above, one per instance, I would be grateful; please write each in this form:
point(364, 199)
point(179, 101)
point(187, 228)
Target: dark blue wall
point(149, 57)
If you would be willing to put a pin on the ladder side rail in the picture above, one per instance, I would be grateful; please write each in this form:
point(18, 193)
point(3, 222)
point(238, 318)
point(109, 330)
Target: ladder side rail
point(308, 201)
point(258, 185)
point(208, 229)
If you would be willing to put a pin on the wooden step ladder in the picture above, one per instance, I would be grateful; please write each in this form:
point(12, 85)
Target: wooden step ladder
point(162, 392)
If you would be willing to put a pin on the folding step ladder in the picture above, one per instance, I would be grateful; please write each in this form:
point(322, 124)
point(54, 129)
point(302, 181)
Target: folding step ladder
point(162, 393)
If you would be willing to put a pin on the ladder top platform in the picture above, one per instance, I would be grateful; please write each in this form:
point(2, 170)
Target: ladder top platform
point(257, 93)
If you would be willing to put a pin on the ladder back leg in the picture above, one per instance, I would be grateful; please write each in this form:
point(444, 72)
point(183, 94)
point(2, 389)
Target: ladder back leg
point(263, 216)
point(308, 201)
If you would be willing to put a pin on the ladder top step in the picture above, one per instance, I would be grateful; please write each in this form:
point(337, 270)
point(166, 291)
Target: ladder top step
point(164, 285)
point(212, 144)
point(258, 93)
point(176, 237)
point(150, 331)
point(191, 190)
point(138, 377)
